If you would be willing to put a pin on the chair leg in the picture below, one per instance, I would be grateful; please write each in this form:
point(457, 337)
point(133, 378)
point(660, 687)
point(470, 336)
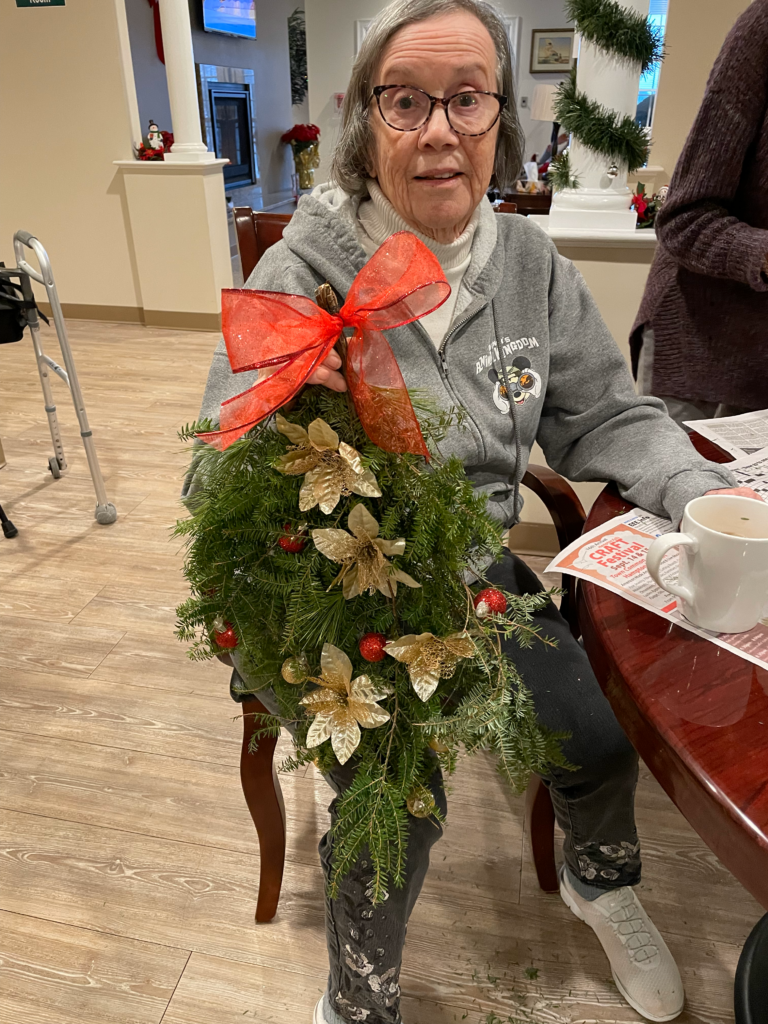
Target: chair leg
point(265, 802)
point(540, 826)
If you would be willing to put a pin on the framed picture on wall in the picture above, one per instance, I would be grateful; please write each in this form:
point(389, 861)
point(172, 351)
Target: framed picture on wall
point(552, 50)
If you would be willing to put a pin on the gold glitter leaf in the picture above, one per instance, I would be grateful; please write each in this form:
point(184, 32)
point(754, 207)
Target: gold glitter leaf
point(321, 435)
point(362, 523)
point(294, 433)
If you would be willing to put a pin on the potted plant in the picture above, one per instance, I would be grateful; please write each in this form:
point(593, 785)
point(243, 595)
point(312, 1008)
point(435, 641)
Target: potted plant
point(304, 140)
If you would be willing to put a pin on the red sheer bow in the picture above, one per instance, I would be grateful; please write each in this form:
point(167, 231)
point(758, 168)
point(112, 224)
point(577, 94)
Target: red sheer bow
point(401, 282)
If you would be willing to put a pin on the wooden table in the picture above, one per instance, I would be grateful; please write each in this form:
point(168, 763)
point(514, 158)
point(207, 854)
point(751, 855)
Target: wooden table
point(697, 714)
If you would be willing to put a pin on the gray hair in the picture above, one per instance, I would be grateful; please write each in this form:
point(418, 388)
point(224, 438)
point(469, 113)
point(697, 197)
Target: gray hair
point(352, 155)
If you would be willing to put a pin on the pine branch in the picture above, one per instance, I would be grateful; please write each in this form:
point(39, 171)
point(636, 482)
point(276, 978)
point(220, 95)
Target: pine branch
point(560, 174)
point(617, 30)
point(605, 131)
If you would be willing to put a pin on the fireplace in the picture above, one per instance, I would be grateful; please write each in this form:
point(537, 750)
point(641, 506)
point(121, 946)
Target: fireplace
point(228, 121)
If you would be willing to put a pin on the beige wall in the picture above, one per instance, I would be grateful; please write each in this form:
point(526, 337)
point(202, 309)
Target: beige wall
point(696, 29)
point(64, 118)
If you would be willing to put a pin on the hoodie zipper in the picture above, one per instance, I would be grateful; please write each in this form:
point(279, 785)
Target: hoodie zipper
point(447, 380)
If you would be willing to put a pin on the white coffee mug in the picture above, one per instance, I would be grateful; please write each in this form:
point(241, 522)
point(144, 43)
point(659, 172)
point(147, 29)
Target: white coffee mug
point(723, 579)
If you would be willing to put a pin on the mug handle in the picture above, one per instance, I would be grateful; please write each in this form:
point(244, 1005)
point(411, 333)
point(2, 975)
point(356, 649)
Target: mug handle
point(656, 553)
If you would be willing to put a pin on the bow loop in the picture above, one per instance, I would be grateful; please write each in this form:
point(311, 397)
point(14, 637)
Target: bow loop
point(401, 282)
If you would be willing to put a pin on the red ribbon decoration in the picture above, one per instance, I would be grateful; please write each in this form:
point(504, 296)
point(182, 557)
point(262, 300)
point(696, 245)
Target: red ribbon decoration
point(401, 282)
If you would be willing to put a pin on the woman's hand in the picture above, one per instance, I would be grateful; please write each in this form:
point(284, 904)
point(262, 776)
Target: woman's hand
point(741, 492)
point(328, 374)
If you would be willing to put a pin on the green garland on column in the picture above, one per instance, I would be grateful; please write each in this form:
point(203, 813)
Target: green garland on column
point(616, 30)
point(624, 34)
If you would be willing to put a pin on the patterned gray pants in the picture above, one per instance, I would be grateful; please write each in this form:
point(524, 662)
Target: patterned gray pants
point(594, 807)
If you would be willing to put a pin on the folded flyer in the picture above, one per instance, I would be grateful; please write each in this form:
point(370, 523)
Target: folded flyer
point(613, 556)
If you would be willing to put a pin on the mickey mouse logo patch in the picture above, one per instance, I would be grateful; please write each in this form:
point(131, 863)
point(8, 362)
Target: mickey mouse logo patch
point(524, 383)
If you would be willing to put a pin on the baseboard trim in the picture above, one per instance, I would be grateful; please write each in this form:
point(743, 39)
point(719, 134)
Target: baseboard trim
point(136, 315)
point(182, 321)
point(86, 311)
point(534, 539)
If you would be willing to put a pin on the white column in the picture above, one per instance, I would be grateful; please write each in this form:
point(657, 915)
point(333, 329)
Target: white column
point(601, 202)
point(188, 145)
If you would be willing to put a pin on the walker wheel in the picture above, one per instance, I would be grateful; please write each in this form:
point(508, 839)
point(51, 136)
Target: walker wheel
point(53, 465)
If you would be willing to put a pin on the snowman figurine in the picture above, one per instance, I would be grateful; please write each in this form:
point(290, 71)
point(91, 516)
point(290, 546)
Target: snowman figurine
point(154, 137)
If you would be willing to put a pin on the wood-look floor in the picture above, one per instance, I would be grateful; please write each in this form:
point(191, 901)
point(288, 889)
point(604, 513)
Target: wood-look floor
point(129, 863)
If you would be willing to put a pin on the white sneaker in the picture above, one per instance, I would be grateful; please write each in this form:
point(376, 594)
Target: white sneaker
point(642, 966)
point(318, 1017)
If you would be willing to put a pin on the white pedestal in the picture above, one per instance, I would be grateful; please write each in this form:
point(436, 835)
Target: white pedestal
point(592, 209)
point(178, 218)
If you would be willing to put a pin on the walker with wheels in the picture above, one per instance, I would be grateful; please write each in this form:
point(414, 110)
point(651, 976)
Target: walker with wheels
point(105, 511)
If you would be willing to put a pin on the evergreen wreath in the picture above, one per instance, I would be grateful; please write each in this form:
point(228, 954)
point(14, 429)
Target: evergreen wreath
point(297, 51)
point(285, 603)
point(629, 36)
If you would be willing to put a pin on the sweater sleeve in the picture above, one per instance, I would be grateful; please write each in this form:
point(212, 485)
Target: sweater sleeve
point(695, 224)
point(593, 424)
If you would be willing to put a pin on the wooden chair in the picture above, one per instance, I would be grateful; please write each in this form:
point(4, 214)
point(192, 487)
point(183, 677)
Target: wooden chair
point(261, 787)
point(529, 202)
point(255, 232)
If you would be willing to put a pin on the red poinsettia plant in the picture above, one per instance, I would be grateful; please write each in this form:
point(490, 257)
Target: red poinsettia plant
point(145, 152)
point(301, 135)
point(646, 207)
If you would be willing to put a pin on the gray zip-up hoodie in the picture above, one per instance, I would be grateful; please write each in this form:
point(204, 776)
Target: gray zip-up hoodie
point(522, 302)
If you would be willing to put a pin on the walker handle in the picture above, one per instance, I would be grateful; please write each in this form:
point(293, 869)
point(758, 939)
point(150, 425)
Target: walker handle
point(25, 237)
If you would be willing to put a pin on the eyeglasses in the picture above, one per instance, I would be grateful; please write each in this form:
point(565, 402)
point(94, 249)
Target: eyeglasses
point(406, 108)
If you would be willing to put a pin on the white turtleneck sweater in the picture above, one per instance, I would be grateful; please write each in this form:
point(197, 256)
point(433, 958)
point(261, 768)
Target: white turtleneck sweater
point(377, 219)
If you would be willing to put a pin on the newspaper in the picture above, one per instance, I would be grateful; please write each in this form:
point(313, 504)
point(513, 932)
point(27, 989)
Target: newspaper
point(613, 557)
point(739, 435)
point(752, 471)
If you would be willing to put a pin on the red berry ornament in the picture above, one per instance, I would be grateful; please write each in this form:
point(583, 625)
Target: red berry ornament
point(224, 634)
point(291, 542)
point(490, 602)
point(372, 646)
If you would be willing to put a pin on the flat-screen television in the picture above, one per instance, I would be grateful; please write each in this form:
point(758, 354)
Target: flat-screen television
point(232, 17)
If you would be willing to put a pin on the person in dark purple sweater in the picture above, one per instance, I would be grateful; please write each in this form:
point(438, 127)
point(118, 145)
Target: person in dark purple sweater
point(700, 340)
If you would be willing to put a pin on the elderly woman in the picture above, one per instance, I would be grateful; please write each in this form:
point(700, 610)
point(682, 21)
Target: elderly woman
point(429, 124)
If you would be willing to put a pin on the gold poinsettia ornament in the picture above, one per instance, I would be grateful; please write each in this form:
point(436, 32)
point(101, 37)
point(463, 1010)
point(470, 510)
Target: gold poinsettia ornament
point(430, 658)
point(342, 704)
point(332, 468)
point(364, 567)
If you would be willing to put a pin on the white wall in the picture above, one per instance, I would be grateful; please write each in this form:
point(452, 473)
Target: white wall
point(65, 116)
point(331, 49)
point(148, 70)
point(536, 14)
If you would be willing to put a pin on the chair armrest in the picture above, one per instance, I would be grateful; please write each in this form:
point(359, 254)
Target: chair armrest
point(562, 503)
point(245, 231)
